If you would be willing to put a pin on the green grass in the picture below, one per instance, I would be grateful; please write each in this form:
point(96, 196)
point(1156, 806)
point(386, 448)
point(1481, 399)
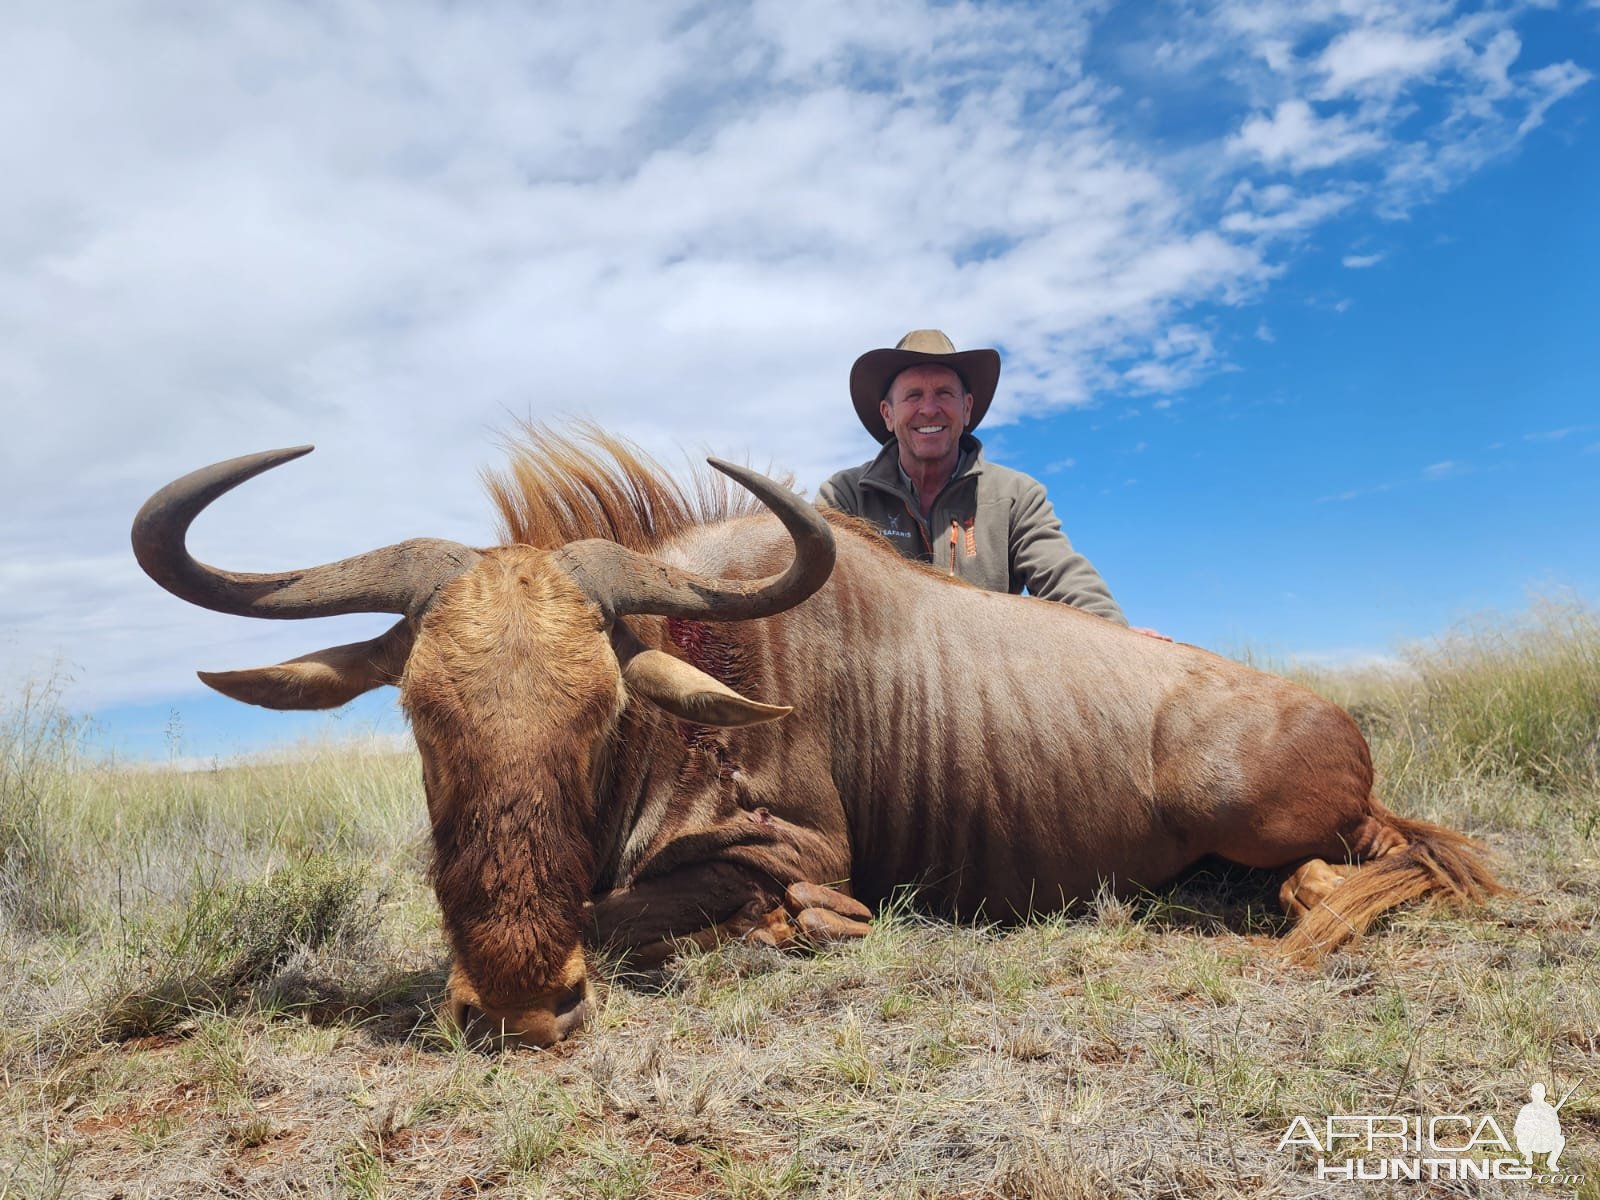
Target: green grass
point(227, 941)
point(1506, 708)
point(40, 879)
point(225, 978)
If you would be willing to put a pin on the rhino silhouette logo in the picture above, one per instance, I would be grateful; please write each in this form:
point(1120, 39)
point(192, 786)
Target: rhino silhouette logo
point(1538, 1129)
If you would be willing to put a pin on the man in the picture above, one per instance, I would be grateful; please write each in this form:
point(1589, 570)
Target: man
point(931, 492)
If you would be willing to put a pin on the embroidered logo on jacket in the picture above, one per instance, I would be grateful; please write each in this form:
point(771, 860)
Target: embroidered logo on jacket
point(894, 529)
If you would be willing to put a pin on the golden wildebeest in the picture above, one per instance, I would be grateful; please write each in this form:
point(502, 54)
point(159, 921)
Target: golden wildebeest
point(597, 769)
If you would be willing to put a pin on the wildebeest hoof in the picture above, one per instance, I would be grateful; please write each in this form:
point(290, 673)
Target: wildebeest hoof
point(820, 926)
point(801, 896)
point(1311, 884)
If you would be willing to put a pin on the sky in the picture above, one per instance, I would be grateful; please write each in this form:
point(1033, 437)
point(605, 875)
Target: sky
point(1296, 300)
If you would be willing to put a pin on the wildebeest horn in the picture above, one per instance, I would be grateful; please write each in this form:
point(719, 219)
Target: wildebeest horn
point(622, 581)
point(396, 579)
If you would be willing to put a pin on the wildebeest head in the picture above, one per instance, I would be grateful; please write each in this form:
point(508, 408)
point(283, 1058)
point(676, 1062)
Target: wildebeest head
point(514, 664)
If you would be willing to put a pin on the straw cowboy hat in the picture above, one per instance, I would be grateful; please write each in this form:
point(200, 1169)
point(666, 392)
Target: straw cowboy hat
point(875, 371)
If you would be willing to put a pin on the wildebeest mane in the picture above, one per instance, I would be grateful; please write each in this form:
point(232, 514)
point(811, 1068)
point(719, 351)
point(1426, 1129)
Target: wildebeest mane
point(557, 489)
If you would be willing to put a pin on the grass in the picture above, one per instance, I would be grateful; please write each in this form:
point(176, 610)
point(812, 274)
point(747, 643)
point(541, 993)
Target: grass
point(230, 942)
point(1491, 714)
point(221, 982)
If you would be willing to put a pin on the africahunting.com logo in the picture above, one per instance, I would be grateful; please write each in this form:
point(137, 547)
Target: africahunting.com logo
point(1439, 1146)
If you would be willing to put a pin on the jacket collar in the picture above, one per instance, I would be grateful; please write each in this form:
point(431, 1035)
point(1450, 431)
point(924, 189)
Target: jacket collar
point(884, 471)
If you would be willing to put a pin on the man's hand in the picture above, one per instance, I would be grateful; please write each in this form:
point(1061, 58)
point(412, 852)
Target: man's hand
point(1160, 637)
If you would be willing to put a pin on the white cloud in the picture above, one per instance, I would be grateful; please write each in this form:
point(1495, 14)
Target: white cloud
point(1493, 67)
point(1442, 470)
point(1355, 493)
point(1545, 87)
point(1296, 138)
point(1357, 262)
point(1379, 60)
point(388, 229)
point(1278, 210)
point(1427, 92)
point(1350, 658)
point(1178, 357)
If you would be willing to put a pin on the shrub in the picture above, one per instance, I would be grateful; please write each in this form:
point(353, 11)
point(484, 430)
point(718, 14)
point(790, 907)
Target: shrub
point(1498, 721)
point(1520, 700)
point(39, 744)
point(227, 940)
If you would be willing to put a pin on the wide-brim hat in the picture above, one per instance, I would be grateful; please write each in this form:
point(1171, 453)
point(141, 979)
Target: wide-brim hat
point(875, 370)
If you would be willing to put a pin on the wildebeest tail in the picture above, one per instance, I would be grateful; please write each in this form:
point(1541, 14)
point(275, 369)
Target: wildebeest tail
point(1435, 861)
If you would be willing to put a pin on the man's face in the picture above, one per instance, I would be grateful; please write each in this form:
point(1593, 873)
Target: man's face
point(927, 409)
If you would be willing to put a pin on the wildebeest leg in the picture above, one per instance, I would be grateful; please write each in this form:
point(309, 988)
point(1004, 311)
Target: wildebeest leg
point(811, 915)
point(1310, 884)
point(704, 904)
point(749, 924)
point(676, 904)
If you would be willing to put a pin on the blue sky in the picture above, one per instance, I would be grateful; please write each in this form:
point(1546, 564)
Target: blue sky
point(1296, 301)
point(1393, 448)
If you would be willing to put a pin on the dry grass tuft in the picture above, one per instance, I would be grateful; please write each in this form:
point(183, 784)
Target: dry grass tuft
point(230, 941)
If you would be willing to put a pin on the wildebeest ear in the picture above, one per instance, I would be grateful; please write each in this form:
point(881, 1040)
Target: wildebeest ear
point(325, 679)
point(690, 694)
point(684, 691)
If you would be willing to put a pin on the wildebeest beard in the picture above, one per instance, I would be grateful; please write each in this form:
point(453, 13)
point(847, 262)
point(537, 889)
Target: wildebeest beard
point(510, 688)
point(512, 869)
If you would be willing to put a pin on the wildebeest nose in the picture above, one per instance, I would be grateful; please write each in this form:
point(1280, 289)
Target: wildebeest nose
point(574, 996)
point(572, 1011)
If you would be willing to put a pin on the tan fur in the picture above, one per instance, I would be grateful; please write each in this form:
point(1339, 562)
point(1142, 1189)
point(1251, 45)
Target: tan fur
point(1008, 755)
point(1005, 755)
point(1428, 860)
point(558, 490)
point(691, 695)
point(544, 1017)
point(509, 688)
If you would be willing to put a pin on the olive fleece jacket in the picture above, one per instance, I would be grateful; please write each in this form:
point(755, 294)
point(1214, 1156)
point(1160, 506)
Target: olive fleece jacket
point(990, 525)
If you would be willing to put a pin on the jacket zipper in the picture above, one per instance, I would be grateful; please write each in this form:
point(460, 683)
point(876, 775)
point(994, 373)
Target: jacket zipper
point(955, 532)
point(922, 528)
